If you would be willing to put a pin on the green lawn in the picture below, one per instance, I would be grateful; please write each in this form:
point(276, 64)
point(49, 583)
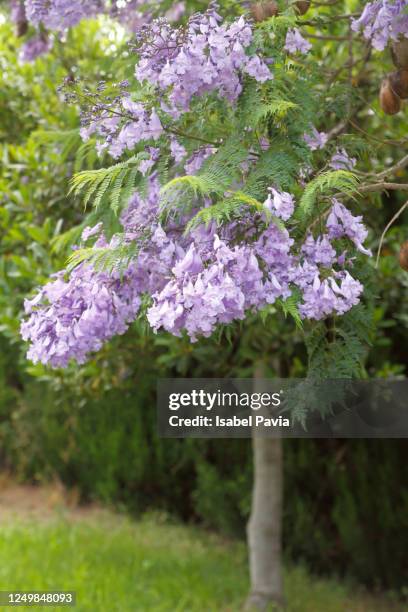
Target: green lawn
point(115, 564)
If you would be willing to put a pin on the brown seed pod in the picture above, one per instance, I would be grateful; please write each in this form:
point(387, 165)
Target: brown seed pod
point(399, 53)
point(389, 101)
point(302, 6)
point(264, 10)
point(403, 256)
point(21, 28)
point(399, 83)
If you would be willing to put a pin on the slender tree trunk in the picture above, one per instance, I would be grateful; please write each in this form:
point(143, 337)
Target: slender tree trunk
point(264, 526)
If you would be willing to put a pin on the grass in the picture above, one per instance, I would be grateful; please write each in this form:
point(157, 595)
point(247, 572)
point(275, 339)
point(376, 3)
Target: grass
point(115, 564)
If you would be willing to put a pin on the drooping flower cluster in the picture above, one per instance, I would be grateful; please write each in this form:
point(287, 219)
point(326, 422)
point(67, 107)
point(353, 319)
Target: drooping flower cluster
point(383, 20)
point(181, 64)
point(342, 223)
point(76, 313)
point(195, 282)
point(206, 56)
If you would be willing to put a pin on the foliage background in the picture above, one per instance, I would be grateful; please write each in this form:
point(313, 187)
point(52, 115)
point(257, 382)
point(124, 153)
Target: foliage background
point(94, 428)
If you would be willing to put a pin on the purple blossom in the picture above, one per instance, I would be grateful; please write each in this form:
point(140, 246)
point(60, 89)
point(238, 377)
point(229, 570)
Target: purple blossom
point(319, 250)
point(316, 140)
point(383, 20)
point(208, 57)
point(89, 232)
point(280, 203)
point(295, 43)
point(60, 14)
point(342, 223)
point(324, 297)
point(17, 12)
point(178, 152)
point(194, 163)
point(342, 161)
point(176, 11)
point(71, 318)
point(34, 48)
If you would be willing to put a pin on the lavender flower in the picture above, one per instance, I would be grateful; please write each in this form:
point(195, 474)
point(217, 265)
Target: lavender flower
point(342, 161)
point(34, 48)
point(209, 56)
point(383, 20)
point(295, 43)
point(316, 140)
point(281, 204)
point(342, 223)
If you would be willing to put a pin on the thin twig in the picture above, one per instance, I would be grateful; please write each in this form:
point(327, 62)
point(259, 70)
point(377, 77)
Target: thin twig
point(383, 187)
point(384, 142)
point(403, 163)
point(395, 217)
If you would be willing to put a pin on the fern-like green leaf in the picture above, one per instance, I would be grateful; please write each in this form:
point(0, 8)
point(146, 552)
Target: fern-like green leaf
point(105, 259)
point(231, 208)
point(327, 183)
point(110, 183)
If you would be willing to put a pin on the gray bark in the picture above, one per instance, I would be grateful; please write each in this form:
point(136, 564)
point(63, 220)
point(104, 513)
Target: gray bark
point(264, 526)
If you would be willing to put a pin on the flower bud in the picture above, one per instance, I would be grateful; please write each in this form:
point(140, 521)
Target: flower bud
point(403, 256)
point(399, 83)
point(264, 10)
point(389, 101)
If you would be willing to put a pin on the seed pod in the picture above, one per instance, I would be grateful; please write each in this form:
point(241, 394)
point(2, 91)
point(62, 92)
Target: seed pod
point(21, 28)
point(264, 10)
point(403, 256)
point(399, 53)
point(399, 83)
point(302, 6)
point(389, 101)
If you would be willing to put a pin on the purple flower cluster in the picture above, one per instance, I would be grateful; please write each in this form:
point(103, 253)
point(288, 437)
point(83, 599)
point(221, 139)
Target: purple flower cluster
point(181, 63)
point(281, 204)
point(77, 316)
point(315, 140)
point(342, 161)
point(207, 56)
point(60, 14)
point(342, 223)
point(117, 136)
point(198, 157)
point(34, 47)
point(295, 43)
point(383, 20)
point(195, 282)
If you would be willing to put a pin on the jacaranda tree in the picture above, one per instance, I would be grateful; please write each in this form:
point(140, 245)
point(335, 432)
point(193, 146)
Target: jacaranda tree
point(234, 190)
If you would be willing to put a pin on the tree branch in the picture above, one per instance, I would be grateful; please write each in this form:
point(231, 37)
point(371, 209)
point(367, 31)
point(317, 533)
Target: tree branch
point(395, 217)
point(383, 187)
